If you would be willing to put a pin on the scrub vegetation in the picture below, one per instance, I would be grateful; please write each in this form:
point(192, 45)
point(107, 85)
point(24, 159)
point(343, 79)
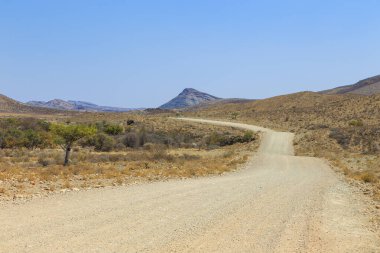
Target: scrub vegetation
point(82, 151)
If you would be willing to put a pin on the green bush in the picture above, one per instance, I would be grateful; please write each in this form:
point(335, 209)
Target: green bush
point(29, 133)
point(37, 139)
point(113, 129)
point(248, 136)
point(11, 138)
point(104, 142)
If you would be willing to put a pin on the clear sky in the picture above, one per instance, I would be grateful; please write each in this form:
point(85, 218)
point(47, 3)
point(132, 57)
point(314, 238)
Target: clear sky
point(142, 53)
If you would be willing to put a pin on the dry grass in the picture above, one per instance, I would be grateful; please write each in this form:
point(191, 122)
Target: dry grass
point(94, 169)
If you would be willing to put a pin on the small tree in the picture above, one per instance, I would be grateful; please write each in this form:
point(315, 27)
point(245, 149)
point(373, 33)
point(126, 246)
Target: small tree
point(69, 134)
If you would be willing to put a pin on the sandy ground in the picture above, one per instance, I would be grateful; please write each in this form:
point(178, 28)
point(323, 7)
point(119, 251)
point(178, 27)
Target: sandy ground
point(277, 203)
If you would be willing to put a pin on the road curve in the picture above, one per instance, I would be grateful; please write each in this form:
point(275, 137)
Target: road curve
point(278, 203)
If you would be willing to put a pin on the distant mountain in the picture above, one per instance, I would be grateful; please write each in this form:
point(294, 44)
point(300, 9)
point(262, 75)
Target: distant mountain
point(77, 106)
point(367, 86)
point(54, 104)
point(187, 98)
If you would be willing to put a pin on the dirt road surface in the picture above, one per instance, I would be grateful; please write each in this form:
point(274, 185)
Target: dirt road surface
point(277, 203)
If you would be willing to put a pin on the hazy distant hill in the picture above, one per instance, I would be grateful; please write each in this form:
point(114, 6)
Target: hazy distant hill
point(77, 106)
point(187, 98)
point(367, 86)
point(56, 104)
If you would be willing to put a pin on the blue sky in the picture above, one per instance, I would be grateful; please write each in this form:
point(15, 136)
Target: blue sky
point(142, 53)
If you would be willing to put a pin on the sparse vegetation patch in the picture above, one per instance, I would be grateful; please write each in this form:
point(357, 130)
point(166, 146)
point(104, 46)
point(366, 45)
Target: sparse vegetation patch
point(104, 151)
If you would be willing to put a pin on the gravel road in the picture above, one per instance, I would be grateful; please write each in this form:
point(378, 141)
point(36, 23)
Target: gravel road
point(277, 203)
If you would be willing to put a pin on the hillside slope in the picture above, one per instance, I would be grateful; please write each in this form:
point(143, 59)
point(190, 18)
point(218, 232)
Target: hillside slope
point(369, 86)
point(299, 110)
point(8, 105)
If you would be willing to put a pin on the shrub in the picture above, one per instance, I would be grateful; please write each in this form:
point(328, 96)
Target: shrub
point(234, 115)
point(34, 139)
point(103, 142)
point(161, 154)
point(131, 140)
point(214, 139)
point(217, 139)
point(29, 133)
point(113, 129)
point(248, 136)
point(356, 123)
point(12, 138)
point(340, 136)
point(149, 146)
point(44, 161)
point(119, 146)
point(142, 137)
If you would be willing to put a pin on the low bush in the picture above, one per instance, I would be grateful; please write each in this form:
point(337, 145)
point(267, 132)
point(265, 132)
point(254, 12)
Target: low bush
point(103, 142)
point(356, 123)
point(161, 154)
point(218, 139)
point(131, 140)
point(113, 129)
point(340, 136)
point(44, 161)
